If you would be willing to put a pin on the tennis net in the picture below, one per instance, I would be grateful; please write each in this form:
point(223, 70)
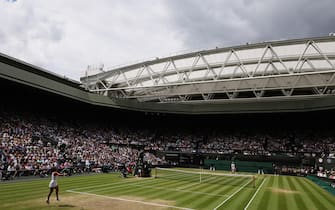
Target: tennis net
point(205, 176)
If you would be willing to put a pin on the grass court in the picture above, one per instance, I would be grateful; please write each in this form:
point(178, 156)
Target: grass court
point(170, 190)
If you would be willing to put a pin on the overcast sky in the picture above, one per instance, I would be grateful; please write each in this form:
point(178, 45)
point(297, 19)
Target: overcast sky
point(65, 36)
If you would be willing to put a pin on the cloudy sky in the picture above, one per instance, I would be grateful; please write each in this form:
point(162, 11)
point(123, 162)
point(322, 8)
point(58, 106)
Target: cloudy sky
point(65, 36)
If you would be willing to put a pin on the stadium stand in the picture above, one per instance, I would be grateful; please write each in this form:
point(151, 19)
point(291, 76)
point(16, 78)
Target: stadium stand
point(40, 129)
point(32, 144)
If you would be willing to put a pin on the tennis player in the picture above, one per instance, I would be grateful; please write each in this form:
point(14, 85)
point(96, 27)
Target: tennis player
point(53, 184)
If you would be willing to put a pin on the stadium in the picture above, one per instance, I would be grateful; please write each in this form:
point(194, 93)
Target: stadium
point(240, 127)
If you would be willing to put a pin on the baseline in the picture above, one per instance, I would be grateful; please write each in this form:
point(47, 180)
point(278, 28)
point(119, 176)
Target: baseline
point(129, 200)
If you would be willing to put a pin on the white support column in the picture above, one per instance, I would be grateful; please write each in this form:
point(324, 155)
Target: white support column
point(302, 55)
point(241, 64)
point(278, 57)
point(260, 60)
point(162, 74)
point(224, 63)
point(322, 54)
point(209, 68)
point(187, 73)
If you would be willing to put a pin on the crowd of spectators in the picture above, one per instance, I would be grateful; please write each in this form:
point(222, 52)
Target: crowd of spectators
point(30, 145)
point(36, 144)
point(231, 143)
point(304, 141)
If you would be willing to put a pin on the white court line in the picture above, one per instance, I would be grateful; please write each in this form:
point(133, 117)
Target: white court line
point(130, 180)
point(116, 184)
point(254, 195)
point(196, 183)
point(179, 190)
point(205, 172)
point(113, 183)
point(109, 187)
point(143, 184)
point(100, 185)
point(158, 188)
point(188, 186)
point(232, 195)
point(128, 200)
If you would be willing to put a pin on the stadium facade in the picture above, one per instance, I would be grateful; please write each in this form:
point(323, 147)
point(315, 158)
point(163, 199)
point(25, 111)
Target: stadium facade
point(288, 86)
point(277, 76)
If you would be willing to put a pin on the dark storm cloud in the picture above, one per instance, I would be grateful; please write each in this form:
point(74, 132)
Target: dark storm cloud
point(67, 36)
point(205, 24)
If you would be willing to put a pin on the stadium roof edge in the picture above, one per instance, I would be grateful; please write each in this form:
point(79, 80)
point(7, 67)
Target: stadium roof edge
point(19, 71)
point(212, 51)
point(37, 70)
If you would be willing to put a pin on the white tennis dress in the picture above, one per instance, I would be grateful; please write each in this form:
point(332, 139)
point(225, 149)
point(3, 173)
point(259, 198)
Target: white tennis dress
point(53, 182)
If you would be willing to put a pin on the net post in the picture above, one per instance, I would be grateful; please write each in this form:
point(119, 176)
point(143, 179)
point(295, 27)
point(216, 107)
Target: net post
point(155, 172)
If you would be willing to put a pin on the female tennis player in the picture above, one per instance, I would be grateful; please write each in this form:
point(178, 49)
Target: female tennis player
point(53, 184)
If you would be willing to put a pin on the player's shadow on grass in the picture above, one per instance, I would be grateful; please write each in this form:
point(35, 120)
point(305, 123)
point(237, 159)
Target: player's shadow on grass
point(66, 206)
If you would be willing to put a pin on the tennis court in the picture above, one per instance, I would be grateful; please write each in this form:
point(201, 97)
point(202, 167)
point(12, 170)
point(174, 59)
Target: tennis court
point(171, 189)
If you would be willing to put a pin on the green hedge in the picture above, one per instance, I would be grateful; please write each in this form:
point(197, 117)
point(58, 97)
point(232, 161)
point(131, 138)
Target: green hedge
point(243, 166)
point(322, 183)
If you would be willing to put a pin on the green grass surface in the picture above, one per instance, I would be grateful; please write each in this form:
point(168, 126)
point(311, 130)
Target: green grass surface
point(110, 191)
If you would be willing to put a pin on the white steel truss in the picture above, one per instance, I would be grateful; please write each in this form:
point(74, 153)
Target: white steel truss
point(301, 67)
